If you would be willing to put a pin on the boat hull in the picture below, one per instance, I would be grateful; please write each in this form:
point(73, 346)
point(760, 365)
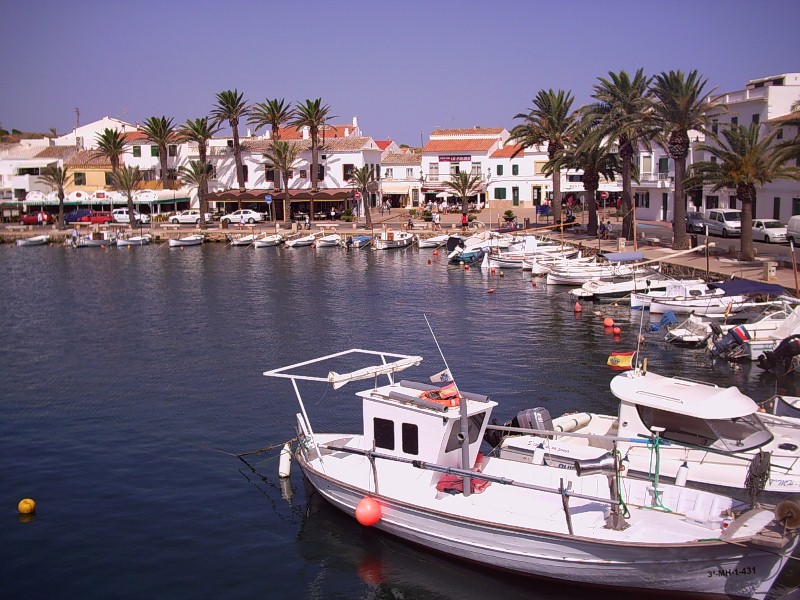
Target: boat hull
point(39, 240)
point(712, 568)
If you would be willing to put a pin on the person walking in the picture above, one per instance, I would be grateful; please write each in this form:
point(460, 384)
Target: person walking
point(437, 222)
point(464, 222)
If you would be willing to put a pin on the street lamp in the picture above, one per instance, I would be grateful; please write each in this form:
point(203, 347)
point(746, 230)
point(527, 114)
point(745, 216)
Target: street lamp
point(421, 183)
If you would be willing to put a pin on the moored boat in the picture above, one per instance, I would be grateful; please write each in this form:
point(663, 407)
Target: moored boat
point(415, 472)
point(36, 240)
point(329, 241)
point(268, 240)
point(435, 241)
point(358, 241)
point(95, 239)
point(243, 240)
point(135, 240)
point(392, 239)
point(302, 241)
point(196, 239)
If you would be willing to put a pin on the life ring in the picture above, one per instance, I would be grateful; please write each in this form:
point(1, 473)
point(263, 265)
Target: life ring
point(446, 396)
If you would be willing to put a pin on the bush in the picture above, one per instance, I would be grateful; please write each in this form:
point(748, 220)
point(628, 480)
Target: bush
point(471, 218)
point(509, 215)
point(347, 216)
point(427, 216)
point(412, 212)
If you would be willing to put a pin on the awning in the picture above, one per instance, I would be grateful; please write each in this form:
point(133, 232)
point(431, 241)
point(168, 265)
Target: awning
point(396, 188)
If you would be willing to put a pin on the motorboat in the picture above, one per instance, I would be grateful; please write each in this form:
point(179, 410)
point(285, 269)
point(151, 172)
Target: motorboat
point(542, 264)
point(719, 299)
point(436, 241)
point(748, 341)
point(677, 289)
point(329, 241)
point(673, 429)
point(391, 239)
point(358, 241)
point(614, 288)
point(267, 240)
point(36, 240)
point(414, 471)
point(305, 240)
point(135, 240)
point(243, 240)
point(95, 239)
point(196, 239)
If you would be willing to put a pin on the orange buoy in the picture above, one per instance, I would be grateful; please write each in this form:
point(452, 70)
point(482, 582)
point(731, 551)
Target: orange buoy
point(26, 506)
point(368, 511)
point(436, 253)
point(490, 291)
point(608, 322)
point(617, 330)
point(616, 339)
point(578, 307)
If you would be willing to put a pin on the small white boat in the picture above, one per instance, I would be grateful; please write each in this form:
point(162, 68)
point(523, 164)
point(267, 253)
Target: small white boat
point(243, 240)
point(329, 241)
point(37, 240)
point(358, 241)
point(95, 239)
point(306, 240)
point(196, 239)
point(136, 240)
point(392, 239)
point(680, 288)
point(415, 472)
point(433, 242)
point(614, 288)
point(267, 241)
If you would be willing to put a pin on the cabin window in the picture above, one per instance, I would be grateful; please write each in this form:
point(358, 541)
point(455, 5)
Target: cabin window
point(475, 425)
point(410, 438)
point(384, 433)
point(726, 435)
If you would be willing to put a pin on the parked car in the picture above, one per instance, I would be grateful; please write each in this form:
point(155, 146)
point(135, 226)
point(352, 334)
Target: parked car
point(769, 230)
point(724, 221)
point(76, 215)
point(35, 219)
point(98, 217)
point(121, 216)
point(695, 222)
point(189, 216)
point(250, 216)
point(793, 229)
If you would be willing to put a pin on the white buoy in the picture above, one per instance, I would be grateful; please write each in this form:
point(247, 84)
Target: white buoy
point(682, 475)
point(285, 463)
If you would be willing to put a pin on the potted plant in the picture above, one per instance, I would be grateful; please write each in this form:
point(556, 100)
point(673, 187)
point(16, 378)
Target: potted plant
point(346, 216)
point(509, 216)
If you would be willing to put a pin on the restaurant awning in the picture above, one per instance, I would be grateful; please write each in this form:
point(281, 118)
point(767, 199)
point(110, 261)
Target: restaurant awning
point(396, 188)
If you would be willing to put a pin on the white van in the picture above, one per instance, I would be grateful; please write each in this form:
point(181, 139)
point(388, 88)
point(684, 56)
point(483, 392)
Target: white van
point(121, 216)
point(793, 229)
point(724, 221)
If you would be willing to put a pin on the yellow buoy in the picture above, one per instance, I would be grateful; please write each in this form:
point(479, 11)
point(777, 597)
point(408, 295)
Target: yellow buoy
point(26, 506)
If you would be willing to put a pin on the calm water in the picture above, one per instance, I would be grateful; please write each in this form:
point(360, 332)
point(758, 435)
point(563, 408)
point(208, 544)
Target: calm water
point(129, 377)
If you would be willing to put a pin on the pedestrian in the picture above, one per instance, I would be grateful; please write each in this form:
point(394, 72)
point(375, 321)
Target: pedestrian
point(308, 222)
point(241, 222)
point(333, 214)
point(464, 222)
point(604, 230)
point(436, 221)
point(40, 217)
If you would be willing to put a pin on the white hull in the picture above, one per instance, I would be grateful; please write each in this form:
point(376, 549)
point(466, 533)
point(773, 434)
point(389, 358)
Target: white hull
point(243, 240)
point(720, 305)
point(392, 240)
point(190, 240)
point(306, 240)
point(329, 241)
point(38, 240)
point(433, 242)
point(679, 289)
point(137, 240)
point(611, 288)
point(268, 241)
point(360, 241)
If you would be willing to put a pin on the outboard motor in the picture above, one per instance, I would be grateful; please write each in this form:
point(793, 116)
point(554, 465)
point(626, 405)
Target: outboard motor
point(453, 242)
point(780, 360)
point(726, 344)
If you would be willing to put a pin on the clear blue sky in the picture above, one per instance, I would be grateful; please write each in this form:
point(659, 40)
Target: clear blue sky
point(403, 67)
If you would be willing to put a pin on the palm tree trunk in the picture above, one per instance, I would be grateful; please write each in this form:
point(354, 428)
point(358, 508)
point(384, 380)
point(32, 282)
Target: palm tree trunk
point(314, 160)
point(61, 209)
point(162, 160)
point(367, 213)
point(201, 146)
point(626, 154)
point(680, 240)
point(237, 157)
point(746, 193)
point(556, 203)
point(131, 214)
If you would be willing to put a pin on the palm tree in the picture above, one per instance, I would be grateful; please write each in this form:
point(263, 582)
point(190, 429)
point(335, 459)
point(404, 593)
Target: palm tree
point(282, 156)
point(276, 113)
point(623, 111)
point(198, 131)
point(312, 114)
point(791, 148)
point(125, 180)
point(56, 177)
point(111, 145)
point(232, 107)
point(196, 175)
point(161, 132)
point(595, 159)
point(547, 122)
point(679, 106)
point(361, 180)
point(743, 161)
point(464, 185)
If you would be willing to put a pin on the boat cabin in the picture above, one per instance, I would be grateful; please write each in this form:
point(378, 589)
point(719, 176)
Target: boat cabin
point(690, 412)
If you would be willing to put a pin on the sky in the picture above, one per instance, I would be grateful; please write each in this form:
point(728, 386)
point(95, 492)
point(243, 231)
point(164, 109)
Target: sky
point(404, 68)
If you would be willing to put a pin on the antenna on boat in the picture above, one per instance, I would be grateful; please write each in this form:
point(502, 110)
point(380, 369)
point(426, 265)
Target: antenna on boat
point(463, 434)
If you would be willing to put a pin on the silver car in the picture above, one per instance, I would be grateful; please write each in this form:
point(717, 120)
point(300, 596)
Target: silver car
point(769, 230)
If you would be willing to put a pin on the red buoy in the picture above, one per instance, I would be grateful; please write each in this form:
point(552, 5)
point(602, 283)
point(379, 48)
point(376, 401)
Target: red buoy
point(608, 322)
point(578, 307)
point(492, 271)
point(436, 253)
point(466, 267)
point(533, 283)
point(429, 261)
point(617, 330)
point(368, 511)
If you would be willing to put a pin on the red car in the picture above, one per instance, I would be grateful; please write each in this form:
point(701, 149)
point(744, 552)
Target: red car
point(98, 217)
point(34, 219)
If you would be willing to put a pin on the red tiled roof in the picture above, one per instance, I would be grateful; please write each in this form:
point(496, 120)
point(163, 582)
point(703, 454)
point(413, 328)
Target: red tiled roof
point(87, 158)
point(330, 131)
point(402, 159)
point(507, 151)
point(57, 152)
point(135, 136)
point(383, 144)
point(469, 131)
point(467, 145)
point(350, 143)
point(782, 118)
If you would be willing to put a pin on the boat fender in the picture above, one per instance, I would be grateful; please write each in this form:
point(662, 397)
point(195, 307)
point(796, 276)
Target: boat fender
point(571, 422)
point(285, 462)
point(368, 511)
point(682, 475)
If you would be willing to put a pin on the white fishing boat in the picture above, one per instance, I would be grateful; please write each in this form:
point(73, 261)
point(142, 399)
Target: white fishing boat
point(302, 241)
point(329, 241)
point(541, 265)
point(244, 240)
point(95, 239)
point(392, 239)
point(36, 240)
point(135, 240)
point(268, 240)
point(414, 471)
point(619, 264)
point(677, 290)
point(608, 289)
point(748, 341)
point(196, 239)
point(671, 429)
point(436, 241)
point(358, 241)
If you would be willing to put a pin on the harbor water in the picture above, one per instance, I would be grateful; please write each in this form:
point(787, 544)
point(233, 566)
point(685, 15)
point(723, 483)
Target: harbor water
point(131, 378)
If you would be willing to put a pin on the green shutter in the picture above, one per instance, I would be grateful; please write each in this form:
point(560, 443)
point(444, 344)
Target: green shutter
point(515, 169)
point(499, 170)
point(500, 193)
point(153, 150)
point(137, 151)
